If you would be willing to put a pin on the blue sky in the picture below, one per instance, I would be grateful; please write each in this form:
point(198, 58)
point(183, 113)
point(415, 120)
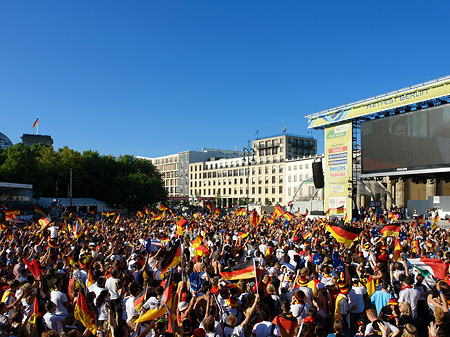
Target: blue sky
point(152, 78)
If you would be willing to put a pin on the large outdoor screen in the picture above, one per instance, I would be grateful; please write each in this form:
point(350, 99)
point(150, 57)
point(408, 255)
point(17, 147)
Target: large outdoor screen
point(409, 143)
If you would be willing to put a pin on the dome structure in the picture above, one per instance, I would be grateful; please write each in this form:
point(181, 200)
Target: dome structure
point(5, 142)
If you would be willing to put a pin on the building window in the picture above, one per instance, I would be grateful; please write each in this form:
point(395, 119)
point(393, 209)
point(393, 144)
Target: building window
point(273, 179)
point(273, 189)
point(289, 178)
point(280, 179)
point(266, 179)
point(266, 190)
point(289, 191)
point(280, 189)
point(259, 190)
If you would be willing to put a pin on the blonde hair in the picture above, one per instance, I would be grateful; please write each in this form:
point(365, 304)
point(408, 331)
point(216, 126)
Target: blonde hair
point(439, 314)
point(405, 308)
point(409, 330)
point(271, 290)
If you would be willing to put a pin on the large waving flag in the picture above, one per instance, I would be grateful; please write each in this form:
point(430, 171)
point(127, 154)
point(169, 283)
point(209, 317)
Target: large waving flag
point(391, 229)
point(84, 314)
point(171, 259)
point(344, 234)
point(426, 266)
point(244, 270)
point(39, 210)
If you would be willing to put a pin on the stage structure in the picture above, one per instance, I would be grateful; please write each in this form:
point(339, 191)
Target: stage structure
point(400, 133)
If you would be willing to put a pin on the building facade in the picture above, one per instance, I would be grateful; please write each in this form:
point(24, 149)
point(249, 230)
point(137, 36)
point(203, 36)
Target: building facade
point(174, 168)
point(5, 142)
point(257, 178)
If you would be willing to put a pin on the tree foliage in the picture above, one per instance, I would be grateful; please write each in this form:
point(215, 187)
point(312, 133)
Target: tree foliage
point(124, 181)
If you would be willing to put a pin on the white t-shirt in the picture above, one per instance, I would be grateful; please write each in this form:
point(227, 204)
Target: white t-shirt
point(129, 308)
point(53, 321)
point(264, 328)
point(59, 298)
point(356, 296)
point(237, 331)
point(111, 285)
point(53, 232)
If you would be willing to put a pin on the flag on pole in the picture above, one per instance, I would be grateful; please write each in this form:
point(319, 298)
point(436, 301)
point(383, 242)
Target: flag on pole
point(139, 300)
point(284, 129)
point(397, 250)
point(36, 123)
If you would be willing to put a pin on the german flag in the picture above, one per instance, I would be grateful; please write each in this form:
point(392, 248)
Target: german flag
point(287, 326)
point(36, 123)
point(209, 207)
point(117, 219)
point(39, 210)
point(344, 234)
point(162, 208)
point(92, 211)
point(140, 214)
point(171, 259)
point(90, 277)
point(165, 239)
point(147, 211)
point(306, 234)
point(217, 211)
point(180, 226)
point(84, 314)
point(420, 219)
point(390, 229)
point(327, 212)
point(244, 270)
point(278, 211)
point(44, 223)
point(140, 299)
point(340, 210)
point(167, 293)
point(158, 217)
point(254, 219)
point(304, 215)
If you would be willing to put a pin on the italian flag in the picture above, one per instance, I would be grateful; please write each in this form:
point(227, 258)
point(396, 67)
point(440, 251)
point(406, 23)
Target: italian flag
point(425, 266)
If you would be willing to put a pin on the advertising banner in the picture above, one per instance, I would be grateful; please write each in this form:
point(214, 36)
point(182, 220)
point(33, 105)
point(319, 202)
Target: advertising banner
point(338, 169)
point(389, 101)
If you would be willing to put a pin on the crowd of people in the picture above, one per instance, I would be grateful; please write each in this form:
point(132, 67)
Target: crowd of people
point(223, 275)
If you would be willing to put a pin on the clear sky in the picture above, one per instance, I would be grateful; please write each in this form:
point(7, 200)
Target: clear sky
point(153, 78)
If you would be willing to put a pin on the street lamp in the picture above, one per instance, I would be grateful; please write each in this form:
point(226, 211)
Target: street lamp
point(249, 157)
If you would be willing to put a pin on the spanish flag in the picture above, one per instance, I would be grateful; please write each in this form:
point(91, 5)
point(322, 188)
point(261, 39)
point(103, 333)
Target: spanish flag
point(35, 312)
point(39, 210)
point(288, 216)
point(196, 242)
point(36, 123)
point(201, 251)
point(244, 270)
point(370, 286)
point(279, 211)
point(171, 259)
point(344, 234)
point(391, 229)
point(397, 250)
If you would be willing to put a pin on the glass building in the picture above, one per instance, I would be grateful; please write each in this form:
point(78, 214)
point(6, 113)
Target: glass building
point(5, 142)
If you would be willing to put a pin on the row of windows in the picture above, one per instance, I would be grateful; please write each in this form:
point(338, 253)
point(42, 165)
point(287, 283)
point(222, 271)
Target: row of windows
point(238, 191)
point(168, 167)
point(300, 178)
point(241, 181)
point(300, 167)
point(165, 160)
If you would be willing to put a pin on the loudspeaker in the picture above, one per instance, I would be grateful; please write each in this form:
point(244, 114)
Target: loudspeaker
point(318, 174)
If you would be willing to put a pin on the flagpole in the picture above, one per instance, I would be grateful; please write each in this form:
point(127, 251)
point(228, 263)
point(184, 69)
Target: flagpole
point(256, 277)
